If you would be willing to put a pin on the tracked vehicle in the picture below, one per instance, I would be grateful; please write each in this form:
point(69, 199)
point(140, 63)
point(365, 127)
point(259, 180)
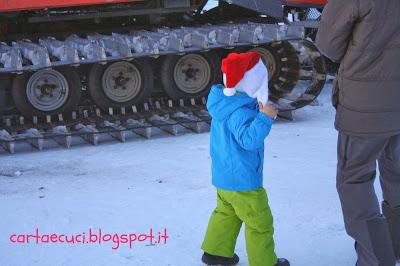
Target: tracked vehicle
point(115, 66)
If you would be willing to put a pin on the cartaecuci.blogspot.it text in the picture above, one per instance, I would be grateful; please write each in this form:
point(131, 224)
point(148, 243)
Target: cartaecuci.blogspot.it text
point(93, 236)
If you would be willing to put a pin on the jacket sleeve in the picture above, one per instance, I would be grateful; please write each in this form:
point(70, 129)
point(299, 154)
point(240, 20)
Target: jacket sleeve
point(335, 29)
point(248, 131)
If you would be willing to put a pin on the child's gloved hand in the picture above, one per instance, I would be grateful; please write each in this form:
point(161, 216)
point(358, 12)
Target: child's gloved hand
point(268, 110)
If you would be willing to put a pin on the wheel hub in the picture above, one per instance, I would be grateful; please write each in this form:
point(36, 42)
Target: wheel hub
point(192, 73)
point(121, 81)
point(47, 90)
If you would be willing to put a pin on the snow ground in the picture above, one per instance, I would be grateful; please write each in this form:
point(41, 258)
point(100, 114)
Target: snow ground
point(165, 183)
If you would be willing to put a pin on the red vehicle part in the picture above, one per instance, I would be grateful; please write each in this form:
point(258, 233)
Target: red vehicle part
point(20, 5)
point(305, 3)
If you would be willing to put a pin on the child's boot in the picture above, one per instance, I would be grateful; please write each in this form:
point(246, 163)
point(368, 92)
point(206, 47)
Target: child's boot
point(282, 262)
point(218, 260)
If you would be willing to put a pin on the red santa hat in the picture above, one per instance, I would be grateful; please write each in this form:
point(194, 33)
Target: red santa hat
point(247, 73)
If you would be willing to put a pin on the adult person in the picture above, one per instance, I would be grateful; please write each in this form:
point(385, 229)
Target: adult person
point(364, 37)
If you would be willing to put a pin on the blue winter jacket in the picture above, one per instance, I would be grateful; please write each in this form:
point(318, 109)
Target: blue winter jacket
point(238, 130)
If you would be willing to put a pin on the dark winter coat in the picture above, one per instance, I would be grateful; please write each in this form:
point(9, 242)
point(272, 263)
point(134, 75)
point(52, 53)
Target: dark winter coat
point(364, 36)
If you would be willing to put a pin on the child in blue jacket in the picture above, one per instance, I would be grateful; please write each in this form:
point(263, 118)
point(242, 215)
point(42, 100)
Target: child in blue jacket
point(241, 120)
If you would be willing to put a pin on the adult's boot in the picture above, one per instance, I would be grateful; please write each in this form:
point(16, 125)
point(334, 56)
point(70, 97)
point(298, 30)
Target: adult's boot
point(392, 215)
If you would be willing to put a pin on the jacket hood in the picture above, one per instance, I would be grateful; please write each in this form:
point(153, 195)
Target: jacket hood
point(221, 107)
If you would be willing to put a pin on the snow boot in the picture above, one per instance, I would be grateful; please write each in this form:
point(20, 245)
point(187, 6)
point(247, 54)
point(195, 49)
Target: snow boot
point(282, 262)
point(218, 260)
point(393, 217)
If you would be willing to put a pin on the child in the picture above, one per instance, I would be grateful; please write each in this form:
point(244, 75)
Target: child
point(239, 127)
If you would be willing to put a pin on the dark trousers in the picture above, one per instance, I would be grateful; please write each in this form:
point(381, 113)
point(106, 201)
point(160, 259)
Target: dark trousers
point(356, 172)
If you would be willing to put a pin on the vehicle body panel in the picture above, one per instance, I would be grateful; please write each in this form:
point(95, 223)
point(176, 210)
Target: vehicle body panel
point(305, 3)
point(25, 5)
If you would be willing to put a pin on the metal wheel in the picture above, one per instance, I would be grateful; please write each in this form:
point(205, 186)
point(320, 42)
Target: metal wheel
point(311, 80)
point(190, 75)
point(7, 105)
point(283, 66)
point(269, 60)
point(121, 81)
point(120, 84)
point(47, 91)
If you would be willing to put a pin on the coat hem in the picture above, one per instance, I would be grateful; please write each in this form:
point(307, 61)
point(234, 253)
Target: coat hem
point(236, 189)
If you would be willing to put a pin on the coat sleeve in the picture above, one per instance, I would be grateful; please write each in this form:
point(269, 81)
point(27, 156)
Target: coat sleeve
point(248, 131)
point(335, 29)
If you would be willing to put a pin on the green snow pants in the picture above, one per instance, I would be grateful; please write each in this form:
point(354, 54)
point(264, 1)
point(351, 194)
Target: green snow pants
point(233, 208)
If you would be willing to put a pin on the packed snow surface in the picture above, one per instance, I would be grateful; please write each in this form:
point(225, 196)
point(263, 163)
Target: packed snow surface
point(124, 188)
